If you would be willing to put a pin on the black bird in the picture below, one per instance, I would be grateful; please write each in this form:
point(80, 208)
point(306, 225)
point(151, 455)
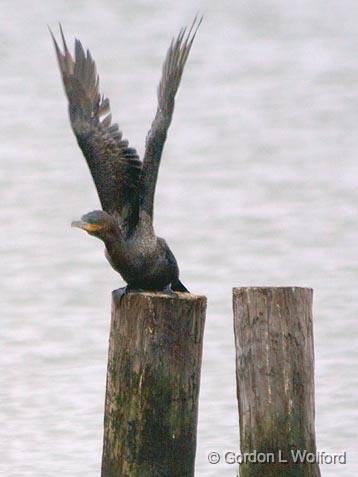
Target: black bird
point(125, 184)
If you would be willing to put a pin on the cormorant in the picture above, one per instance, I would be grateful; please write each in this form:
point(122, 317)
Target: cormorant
point(125, 184)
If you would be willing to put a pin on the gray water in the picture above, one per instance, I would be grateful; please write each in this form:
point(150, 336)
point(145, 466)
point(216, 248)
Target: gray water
point(258, 186)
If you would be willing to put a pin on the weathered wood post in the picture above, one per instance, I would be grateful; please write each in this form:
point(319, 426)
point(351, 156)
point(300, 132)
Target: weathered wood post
point(153, 379)
point(275, 381)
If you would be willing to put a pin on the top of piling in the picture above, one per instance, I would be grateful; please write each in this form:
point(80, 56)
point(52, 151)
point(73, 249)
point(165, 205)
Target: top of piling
point(263, 289)
point(175, 296)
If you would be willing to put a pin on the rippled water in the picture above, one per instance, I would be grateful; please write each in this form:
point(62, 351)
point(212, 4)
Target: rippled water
point(259, 185)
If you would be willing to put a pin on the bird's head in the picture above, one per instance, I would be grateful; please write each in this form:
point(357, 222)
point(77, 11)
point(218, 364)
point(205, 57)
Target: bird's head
point(97, 223)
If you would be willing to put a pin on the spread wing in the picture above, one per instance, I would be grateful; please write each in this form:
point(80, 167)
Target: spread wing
point(114, 166)
point(171, 75)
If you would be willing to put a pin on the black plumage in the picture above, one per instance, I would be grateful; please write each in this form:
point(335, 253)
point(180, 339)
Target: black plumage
point(125, 184)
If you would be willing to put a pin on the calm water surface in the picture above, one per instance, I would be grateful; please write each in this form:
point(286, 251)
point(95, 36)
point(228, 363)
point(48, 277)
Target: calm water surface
point(258, 186)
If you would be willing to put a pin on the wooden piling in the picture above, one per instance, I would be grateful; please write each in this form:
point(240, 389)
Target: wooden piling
point(275, 380)
point(153, 379)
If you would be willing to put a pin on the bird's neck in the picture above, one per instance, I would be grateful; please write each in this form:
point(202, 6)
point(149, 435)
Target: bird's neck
point(113, 234)
point(114, 241)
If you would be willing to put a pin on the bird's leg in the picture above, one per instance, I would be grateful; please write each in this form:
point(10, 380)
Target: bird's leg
point(168, 291)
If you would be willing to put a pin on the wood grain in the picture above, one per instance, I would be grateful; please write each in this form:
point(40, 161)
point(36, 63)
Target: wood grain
point(153, 379)
point(275, 378)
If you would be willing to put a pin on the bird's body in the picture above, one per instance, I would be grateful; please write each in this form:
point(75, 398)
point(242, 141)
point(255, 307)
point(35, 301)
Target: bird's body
point(125, 184)
point(144, 261)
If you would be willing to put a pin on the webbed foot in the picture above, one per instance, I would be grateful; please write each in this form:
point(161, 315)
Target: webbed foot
point(120, 293)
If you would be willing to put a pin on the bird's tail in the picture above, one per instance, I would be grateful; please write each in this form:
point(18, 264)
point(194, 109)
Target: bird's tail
point(178, 286)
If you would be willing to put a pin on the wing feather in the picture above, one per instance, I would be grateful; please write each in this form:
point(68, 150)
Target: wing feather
point(172, 72)
point(114, 166)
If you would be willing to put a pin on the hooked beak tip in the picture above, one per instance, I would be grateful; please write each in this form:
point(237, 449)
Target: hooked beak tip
point(78, 224)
